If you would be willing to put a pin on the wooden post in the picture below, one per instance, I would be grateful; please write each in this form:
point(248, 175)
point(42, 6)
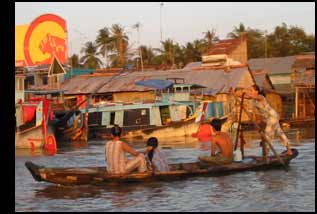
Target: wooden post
point(296, 102)
point(242, 142)
point(264, 148)
point(239, 121)
point(304, 103)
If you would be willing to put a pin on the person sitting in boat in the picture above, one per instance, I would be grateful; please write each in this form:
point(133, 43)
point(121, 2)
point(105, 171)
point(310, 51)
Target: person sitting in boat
point(117, 161)
point(157, 158)
point(204, 133)
point(270, 116)
point(222, 141)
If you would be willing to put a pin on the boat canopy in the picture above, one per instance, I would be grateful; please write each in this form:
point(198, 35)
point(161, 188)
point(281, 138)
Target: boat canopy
point(155, 83)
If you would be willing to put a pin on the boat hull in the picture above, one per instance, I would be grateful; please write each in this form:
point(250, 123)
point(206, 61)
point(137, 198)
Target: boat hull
point(176, 129)
point(99, 175)
point(74, 130)
point(32, 139)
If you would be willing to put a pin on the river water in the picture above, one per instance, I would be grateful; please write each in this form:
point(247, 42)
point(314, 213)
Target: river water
point(272, 190)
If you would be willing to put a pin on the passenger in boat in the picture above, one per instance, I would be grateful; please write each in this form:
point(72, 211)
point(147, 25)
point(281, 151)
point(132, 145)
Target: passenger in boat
point(117, 161)
point(222, 141)
point(204, 133)
point(156, 157)
point(269, 116)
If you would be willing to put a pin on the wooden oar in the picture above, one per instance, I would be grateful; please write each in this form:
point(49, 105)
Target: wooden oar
point(264, 137)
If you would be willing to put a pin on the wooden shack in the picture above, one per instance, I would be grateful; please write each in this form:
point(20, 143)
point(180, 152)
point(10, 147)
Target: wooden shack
point(303, 82)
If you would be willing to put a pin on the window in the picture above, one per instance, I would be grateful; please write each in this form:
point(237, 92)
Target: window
point(19, 84)
point(186, 89)
point(178, 89)
point(44, 80)
point(112, 116)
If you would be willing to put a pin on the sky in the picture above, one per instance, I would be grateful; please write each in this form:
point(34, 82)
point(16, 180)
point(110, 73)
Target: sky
point(181, 21)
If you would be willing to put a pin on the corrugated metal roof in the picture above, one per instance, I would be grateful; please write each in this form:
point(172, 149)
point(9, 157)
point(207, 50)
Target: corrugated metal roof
point(225, 46)
point(304, 61)
point(275, 65)
point(193, 65)
point(261, 78)
point(216, 81)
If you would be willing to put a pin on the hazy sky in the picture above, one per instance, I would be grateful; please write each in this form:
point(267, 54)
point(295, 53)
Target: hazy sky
point(181, 21)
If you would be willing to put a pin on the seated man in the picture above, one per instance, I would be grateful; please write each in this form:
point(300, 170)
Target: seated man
point(117, 161)
point(224, 144)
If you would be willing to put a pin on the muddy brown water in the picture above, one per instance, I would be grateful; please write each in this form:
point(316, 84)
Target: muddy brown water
point(272, 190)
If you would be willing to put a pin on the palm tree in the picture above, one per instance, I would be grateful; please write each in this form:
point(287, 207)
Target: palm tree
point(167, 51)
point(90, 58)
point(200, 48)
point(189, 52)
point(237, 31)
point(147, 55)
point(119, 40)
point(104, 43)
point(210, 37)
point(74, 61)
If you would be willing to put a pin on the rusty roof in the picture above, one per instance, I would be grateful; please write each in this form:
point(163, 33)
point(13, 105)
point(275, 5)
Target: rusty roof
point(304, 61)
point(216, 81)
point(225, 46)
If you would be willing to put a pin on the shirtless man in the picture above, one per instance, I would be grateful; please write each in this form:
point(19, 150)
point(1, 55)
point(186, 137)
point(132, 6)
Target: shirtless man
point(223, 142)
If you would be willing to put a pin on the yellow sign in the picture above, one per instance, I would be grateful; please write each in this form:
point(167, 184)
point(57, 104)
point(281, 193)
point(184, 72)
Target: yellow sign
point(37, 43)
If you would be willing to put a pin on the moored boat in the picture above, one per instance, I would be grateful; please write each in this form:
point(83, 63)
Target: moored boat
point(34, 124)
point(99, 175)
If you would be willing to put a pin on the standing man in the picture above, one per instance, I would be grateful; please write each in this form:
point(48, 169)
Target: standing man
point(269, 116)
point(117, 161)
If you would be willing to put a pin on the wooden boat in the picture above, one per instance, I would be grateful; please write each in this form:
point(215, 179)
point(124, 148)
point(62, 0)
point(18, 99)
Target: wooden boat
point(72, 128)
point(99, 175)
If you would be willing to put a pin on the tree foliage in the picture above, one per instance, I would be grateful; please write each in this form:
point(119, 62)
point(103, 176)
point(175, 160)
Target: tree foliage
point(113, 44)
point(90, 59)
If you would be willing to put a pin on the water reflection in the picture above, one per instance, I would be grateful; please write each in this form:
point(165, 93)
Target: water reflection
point(271, 190)
point(34, 153)
point(65, 192)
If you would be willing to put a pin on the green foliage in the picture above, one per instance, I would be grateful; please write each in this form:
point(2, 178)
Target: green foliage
point(90, 58)
point(284, 41)
point(113, 44)
point(74, 61)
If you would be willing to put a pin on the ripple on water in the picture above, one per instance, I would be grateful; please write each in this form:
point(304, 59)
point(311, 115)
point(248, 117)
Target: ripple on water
point(272, 190)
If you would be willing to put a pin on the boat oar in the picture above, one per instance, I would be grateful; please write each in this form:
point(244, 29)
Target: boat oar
point(265, 139)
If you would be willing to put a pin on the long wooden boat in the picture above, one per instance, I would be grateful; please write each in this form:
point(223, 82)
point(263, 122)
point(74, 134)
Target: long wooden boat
point(99, 175)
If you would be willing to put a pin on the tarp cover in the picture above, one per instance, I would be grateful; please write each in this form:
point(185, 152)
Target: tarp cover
point(155, 83)
point(28, 113)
